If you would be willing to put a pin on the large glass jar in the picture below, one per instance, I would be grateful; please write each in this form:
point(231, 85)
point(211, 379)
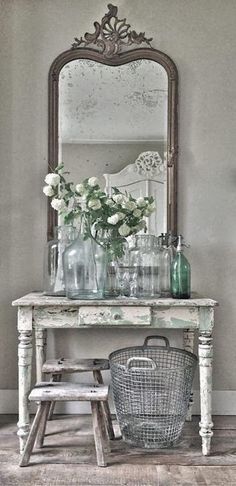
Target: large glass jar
point(84, 268)
point(144, 259)
point(54, 283)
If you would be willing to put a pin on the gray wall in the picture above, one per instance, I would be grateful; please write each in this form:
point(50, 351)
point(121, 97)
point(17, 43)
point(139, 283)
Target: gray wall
point(199, 35)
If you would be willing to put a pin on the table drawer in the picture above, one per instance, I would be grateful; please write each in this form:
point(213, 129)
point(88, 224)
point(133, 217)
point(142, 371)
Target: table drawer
point(115, 315)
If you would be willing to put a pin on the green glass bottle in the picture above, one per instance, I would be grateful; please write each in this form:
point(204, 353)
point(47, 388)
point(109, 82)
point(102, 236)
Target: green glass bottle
point(180, 274)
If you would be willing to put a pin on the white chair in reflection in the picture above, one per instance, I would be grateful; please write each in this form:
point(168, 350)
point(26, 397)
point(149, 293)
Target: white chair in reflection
point(147, 176)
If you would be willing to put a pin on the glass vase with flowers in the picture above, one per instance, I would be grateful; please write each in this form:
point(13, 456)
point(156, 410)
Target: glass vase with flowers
point(106, 221)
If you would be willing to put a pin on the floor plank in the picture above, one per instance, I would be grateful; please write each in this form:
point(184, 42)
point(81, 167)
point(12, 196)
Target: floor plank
point(68, 458)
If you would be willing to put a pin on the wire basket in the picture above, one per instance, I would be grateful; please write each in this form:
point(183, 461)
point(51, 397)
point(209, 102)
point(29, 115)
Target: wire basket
point(151, 389)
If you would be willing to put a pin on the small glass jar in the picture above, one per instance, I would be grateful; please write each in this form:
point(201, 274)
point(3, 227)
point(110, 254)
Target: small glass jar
point(144, 258)
point(54, 283)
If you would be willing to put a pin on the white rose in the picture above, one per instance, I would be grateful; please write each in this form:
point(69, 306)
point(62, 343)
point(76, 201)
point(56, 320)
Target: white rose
point(80, 189)
point(137, 213)
point(141, 202)
point(113, 219)
point(58, 204)
point(93, 181)
point(124, 230)
point(52, 179)
point(48, 191)
point(130, 205)
point(121, 216)
point(119, 198)
point(94, 204)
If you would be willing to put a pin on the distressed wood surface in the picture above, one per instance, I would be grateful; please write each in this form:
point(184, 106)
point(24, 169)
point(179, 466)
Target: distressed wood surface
point(68, 458)
point(42, 312)
point(40, 351)
point(188, 344)
point(39, 299)
point(65, 391)
point(63, 365)
point(205, 372)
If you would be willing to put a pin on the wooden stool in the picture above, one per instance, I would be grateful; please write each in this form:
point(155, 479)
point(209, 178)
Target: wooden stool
point(56, 367)
point(46, 392)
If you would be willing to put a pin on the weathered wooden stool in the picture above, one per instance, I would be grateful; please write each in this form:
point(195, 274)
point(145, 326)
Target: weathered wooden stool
point(56, 367)
point(46, 392)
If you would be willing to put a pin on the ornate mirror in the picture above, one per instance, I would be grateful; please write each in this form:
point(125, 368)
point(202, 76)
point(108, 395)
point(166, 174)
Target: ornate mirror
point(113, 112)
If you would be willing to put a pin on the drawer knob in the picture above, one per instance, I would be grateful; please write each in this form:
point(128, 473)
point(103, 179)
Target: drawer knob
point(117, 317)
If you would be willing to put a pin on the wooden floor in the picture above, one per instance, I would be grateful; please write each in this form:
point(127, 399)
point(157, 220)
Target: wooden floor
point(68, 458)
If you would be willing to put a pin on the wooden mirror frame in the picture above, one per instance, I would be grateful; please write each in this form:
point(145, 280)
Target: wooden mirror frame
point(107, 49)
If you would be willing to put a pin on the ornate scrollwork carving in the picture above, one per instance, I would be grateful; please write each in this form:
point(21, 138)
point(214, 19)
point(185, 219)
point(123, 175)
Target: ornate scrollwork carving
point(149, 163)
point(111, 35)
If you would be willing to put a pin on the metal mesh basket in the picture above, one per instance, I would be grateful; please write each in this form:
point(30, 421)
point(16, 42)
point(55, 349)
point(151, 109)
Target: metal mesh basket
point(151, 388)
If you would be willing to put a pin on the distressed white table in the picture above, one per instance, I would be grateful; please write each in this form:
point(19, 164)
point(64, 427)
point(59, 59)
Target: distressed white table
point(39, 313)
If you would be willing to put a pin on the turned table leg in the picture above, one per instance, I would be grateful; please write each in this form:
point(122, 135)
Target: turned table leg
point(24, 372)
point(188, 341)
point(205, 370)
point(40, 349)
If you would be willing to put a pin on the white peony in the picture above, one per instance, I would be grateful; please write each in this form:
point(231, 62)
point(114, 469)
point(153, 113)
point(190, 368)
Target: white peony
point(113, 219)
point(141, 202)
point(80, 189)
point(137, 213)
point(93, 181)
point(119, 198)
point(94, 204)
point(52, 179)
point(124, 230)
point(130, 205)
point(58, 204)
point(48, 191)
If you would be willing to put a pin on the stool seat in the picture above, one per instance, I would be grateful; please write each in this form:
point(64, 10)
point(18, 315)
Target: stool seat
point(45, 392)
point(64, 391)
point(64, 365)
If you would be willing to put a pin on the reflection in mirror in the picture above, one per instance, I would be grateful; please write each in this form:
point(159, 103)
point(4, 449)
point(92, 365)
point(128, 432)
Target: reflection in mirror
point(108, 116)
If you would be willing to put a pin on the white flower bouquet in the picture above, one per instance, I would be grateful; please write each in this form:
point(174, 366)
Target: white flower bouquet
point(110, 217)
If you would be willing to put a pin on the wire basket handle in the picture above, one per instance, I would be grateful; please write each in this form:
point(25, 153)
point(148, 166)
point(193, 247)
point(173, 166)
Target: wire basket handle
point(161, 338)
point(149, 361)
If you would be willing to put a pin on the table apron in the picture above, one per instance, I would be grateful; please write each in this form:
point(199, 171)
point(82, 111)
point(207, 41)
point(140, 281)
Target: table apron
point(118, 316)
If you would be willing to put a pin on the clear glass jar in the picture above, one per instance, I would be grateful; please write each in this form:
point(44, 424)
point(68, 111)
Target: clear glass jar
point(145, 261)
point(84, 264)
point(117, 261)
point(54, 283)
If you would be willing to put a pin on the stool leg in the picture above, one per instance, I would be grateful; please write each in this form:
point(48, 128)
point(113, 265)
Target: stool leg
point(32, 435)
point(104, 430)
point(97, 432)
point(42, 425)
point(106, 410)
point(55, 377)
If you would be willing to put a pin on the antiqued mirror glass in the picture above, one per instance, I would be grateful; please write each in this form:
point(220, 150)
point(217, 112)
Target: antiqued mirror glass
point(115, 113)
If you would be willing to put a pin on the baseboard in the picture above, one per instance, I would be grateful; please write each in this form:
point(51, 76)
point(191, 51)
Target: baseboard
point(223, 403)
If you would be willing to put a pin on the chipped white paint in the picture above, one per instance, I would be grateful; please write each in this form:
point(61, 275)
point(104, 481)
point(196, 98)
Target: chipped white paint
point(115, 315)
point(205, 350)
point(42, 312)
point(40, 350)
point(188, 342)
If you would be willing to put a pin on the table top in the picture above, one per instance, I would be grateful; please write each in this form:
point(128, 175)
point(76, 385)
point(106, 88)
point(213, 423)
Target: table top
point(38, 299)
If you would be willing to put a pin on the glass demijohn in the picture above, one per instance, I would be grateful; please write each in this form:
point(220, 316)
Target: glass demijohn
point(54, 283)
point(144, 258)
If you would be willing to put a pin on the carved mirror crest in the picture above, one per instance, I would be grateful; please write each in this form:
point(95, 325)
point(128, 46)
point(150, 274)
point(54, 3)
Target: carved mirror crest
point(113, 110)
